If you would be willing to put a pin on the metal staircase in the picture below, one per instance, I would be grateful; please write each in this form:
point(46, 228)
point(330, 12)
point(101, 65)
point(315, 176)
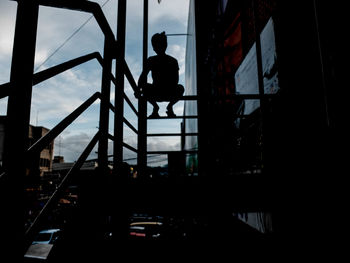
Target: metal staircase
point(120, 197)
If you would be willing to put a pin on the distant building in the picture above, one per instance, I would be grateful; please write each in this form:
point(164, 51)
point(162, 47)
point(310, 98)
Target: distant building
point(41, 163)
point(62, 167)
point(58, 159)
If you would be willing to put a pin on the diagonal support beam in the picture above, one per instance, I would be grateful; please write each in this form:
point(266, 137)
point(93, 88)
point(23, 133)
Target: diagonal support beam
point(54, 132)
point(53, 71)
point(34, 228)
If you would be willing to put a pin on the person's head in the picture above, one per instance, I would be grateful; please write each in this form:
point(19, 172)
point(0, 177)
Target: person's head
point(159, 43)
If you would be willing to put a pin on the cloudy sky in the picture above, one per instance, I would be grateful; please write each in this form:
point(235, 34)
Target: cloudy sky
point(55, 98)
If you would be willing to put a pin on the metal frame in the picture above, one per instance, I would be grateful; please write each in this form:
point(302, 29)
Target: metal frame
point(18, 115)
point(142, 104)
point(105, 104)
point(19, 91)
point(119, 89)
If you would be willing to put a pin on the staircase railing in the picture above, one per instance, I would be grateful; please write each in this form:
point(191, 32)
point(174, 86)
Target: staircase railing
point(17, 85)
point(35, 226)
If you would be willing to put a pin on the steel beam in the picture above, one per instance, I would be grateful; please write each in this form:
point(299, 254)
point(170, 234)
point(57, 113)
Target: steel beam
point(105, 103)
point(142, 104)
point(131, 105)
point(35, 227)
point(130, 78)
point(119, 88)
point(55, 131)
point(130, 125)
point(53, 71)
point(17, 128)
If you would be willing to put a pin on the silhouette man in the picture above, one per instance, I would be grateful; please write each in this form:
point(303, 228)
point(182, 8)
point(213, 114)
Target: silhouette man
point(165, 75)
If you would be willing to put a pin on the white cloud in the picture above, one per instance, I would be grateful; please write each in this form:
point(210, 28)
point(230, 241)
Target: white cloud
point(40, 56)
point(165, 144)
point(7, 25)
point(7, 22)
point(71, 146)
point(59, 96)
point(178, 52)
point(55, 26)
point(169, 9)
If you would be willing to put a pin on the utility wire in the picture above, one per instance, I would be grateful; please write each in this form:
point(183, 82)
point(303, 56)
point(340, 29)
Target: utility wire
point(69, 38)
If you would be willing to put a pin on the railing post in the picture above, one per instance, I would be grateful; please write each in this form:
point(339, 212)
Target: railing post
point(17, 128)
point(142, 104)
point(119, 89)
point(104, 106)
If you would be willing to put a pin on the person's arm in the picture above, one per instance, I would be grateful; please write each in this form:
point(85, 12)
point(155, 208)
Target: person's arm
point(174, 74)
point(177, 77)
point(142, 79)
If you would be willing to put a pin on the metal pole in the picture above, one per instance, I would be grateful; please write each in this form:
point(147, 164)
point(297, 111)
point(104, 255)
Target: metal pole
point(119, 89)
point(104, 106)
point(17, 128)
point(322, 62)
point(142, 105)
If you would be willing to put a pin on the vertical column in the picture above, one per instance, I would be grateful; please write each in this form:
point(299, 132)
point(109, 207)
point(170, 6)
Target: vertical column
point(142, 105)
point(17, 128)
point(104, 106)
point(120, 213)
point(119, 89)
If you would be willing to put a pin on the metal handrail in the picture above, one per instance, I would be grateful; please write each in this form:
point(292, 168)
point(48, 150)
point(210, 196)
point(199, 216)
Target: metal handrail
point(111, 137)
point(131, 105)
point(54, 132)
point(53, 71)
point(130, 78)
point(95, 9)
point(130, 125)
point(112, 108)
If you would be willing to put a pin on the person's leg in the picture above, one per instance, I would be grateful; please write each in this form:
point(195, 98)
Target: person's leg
point(155, 108)
point(148, 92)
point(178, 93)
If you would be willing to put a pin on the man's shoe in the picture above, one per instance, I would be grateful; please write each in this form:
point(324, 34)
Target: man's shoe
point(154, 115)
point(170, 113)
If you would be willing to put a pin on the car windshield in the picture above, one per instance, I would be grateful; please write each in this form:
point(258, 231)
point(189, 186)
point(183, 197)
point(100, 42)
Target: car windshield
point(43, 237)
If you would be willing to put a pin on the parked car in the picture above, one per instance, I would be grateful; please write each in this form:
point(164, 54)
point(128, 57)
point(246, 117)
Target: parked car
point(148, 230)
point(47, 236)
